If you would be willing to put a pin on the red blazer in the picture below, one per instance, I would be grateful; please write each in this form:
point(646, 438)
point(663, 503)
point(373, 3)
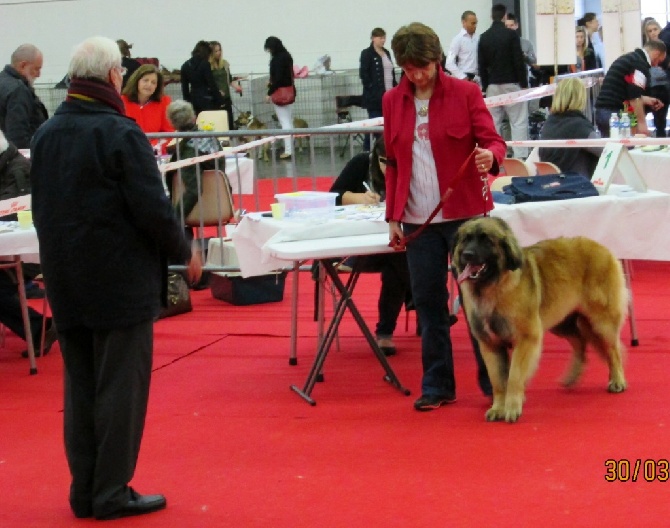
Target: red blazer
point(458, 121)
point(152, 117)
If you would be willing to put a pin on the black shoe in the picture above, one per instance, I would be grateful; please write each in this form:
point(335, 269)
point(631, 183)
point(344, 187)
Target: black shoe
point(50, 338)
point(431, 402)
point(137, 505)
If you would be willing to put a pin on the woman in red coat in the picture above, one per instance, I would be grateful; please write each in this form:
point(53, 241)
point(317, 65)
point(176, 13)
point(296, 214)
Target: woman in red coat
point(145, 102)
point(432, 123)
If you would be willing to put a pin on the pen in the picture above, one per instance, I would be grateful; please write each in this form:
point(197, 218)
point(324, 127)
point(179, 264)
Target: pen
point(367, 187)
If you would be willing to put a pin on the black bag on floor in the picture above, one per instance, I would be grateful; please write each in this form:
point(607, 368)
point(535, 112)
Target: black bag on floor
point(178, 296)
point(550, 187)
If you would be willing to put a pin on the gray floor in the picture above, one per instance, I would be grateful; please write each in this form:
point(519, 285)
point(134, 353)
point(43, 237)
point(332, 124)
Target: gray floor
point(318, 161)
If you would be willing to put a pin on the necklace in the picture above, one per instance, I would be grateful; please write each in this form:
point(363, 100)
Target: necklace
point(423, 110)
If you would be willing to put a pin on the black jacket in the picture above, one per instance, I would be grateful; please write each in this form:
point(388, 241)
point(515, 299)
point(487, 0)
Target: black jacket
point(570, 125)
point(351, 179)
point(14, 174)
point(104, 223)
point(281, 71)
point(500, 57)
point(21, 111)
point(371, 72)
point(199, 87)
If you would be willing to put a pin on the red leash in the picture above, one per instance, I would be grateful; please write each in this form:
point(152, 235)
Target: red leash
point(398, 243)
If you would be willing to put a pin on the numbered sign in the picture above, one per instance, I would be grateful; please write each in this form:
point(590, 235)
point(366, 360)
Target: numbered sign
point(617, 164)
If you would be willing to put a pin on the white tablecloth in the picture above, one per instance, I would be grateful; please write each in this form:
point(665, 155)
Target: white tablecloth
point(654, 168)
point(256, 239)
point(246, 168)
point(633, 227)
point(21, 242)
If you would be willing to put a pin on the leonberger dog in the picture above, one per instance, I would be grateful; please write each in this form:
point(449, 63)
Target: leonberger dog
point(573, 287)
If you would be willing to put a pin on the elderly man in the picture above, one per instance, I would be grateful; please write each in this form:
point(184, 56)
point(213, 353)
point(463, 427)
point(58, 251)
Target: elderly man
point(105, 229)
point(462, 54)
point(21, 111)
point(626, 85)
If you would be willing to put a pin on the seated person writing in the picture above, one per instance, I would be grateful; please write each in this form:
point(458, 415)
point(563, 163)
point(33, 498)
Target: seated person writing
point(567, 121)
point(353, 188)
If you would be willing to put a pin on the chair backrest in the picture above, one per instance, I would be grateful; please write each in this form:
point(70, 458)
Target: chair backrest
point(547, 167)
point(215, 205)
point(515, 167)
point(498, 183)
point(214, 120)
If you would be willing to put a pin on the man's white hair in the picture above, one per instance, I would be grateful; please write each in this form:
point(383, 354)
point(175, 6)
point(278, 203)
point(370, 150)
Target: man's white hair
point(94, 57)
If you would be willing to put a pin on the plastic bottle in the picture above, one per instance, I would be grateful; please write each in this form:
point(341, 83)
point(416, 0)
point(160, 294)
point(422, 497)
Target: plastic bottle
point(614, 126)
point(624, 126)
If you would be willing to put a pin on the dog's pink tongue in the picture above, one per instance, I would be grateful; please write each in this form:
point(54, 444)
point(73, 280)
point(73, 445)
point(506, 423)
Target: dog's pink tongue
point(463, 275)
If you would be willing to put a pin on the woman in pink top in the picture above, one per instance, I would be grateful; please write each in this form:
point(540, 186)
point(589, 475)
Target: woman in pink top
point(145, 102)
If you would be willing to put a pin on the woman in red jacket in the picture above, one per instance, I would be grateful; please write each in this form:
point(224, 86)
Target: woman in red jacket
point(145, 102)
point(432, 123)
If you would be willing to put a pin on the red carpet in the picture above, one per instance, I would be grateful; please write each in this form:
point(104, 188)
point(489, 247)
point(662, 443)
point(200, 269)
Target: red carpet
point(230, 445)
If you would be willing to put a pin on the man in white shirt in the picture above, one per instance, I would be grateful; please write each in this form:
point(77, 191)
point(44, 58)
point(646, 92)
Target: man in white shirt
point(462, 55)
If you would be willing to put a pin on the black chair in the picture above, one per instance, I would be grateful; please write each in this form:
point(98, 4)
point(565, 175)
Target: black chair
point(343, 105)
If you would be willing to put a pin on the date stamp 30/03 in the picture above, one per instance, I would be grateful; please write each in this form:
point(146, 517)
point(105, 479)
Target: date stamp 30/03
point(637, 469)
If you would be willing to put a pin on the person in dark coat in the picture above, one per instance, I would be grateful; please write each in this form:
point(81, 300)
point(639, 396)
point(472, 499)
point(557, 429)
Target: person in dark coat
point(198, 86)
point(567, 121)
point(131, 65)
point(105, 230)
point(281, 75)
point(377, 75)
point(21, 111)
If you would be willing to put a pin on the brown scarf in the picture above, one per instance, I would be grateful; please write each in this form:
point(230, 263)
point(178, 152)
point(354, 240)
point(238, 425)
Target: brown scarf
point(95, 90)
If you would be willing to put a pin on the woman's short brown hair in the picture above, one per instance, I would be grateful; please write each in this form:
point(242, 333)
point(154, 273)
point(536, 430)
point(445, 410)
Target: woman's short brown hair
point(416, 44)
point(130, 91)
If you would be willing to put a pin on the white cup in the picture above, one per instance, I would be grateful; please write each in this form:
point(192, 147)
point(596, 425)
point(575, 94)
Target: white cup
point(278, 210)
point(25, 219)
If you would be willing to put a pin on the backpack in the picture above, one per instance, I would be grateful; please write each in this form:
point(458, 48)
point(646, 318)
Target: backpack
point(550, 187)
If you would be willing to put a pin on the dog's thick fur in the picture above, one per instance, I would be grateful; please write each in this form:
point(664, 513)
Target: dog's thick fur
point(250, 122)
point(573, 287)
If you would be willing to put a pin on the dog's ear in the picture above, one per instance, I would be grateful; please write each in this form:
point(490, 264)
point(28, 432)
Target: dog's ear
point(512, 251)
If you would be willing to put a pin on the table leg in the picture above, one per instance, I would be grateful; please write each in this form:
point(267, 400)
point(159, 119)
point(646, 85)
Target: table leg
point(344, 302)
point(293, 357)
point(24, 313)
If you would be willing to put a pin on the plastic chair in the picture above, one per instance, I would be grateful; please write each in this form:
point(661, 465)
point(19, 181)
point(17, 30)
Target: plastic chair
point(498, 183)
point(546, 167)
point(515, 167)
point(343, 105)
point(214, 120)
point(215, 205)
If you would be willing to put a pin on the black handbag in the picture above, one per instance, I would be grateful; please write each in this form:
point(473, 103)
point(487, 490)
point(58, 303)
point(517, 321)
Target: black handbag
point(178, 296)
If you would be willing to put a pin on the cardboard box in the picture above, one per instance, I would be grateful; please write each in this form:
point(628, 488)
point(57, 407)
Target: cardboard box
point(235, 289)
point(221, 252)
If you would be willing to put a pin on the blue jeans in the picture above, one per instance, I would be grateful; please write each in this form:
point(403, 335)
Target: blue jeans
point(427, 257)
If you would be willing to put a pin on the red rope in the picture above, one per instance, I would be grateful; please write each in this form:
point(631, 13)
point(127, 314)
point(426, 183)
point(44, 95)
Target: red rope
point(398, 243)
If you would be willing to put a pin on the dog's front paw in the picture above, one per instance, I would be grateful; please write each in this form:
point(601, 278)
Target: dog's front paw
point(495, 414)
point(616, 386)
point(513, 408)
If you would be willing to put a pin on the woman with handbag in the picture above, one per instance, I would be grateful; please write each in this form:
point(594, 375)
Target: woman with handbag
point(281, 90)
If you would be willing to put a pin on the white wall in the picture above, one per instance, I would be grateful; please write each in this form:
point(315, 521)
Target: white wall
point(168, 29)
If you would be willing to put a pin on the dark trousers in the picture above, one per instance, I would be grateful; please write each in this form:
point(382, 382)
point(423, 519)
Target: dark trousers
point(366, 140)
point(660, 116)
point(107, 375)
point(394, 288)
point(10, 310)
point(427, 257)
